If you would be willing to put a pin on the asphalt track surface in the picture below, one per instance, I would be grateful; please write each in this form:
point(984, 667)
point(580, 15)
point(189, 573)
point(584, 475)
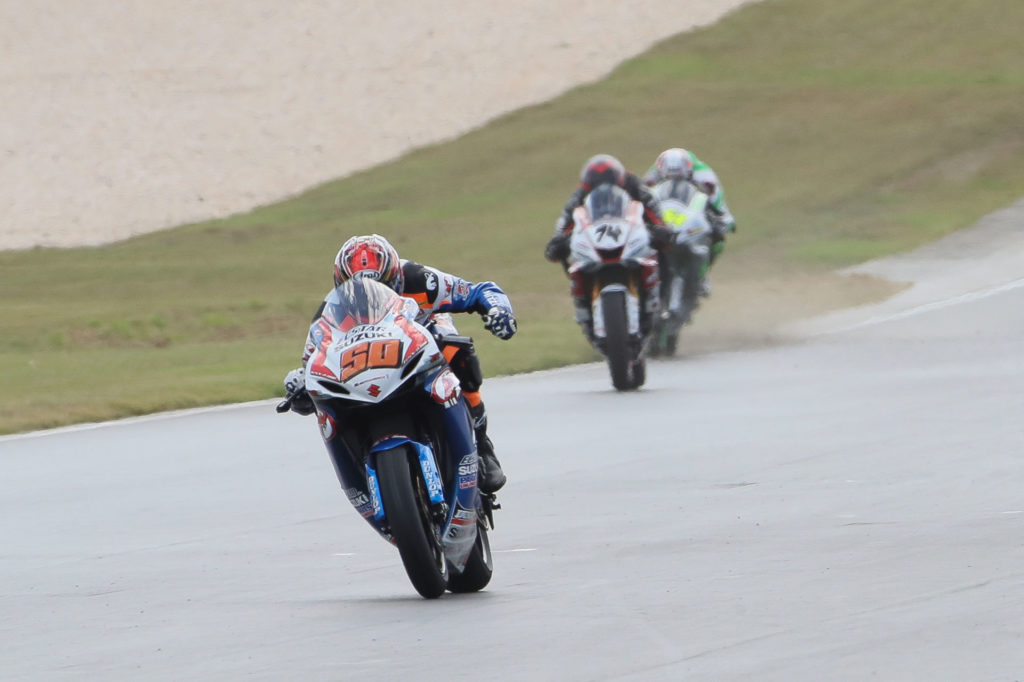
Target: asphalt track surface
point(848, 507)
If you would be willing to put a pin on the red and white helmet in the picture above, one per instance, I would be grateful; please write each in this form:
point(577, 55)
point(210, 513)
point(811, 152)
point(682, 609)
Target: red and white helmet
point(369, 256)
point(675, 163)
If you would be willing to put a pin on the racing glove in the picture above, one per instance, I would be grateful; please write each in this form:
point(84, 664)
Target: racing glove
point(295, 388)
point(557, 248)
point(661, 237)
point(500, 322)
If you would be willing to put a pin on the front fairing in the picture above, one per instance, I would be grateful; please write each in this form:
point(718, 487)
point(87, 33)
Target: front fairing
point(683, 208)
point(367, 344)
point(608, 232)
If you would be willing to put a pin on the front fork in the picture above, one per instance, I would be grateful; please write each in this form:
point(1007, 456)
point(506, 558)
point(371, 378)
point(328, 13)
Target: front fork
point(641, 287)
point(428, 467)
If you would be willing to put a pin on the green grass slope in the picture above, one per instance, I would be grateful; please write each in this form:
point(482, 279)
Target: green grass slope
point(842, 130)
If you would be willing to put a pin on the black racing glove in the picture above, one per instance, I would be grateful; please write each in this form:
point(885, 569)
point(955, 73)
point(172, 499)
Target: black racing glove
point(661, 237)
point(557, 248)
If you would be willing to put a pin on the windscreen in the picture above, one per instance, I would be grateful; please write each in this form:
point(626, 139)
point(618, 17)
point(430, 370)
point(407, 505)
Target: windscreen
point(360, 300)
point(678, 189)
point(607, 201)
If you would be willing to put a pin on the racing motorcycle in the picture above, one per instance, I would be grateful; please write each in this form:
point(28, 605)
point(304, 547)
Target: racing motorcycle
point(398, 431)
point(613, 268)
point(685, 262)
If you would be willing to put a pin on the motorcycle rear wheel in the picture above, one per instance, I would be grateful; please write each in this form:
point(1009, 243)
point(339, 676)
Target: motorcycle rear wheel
point(479, 565)
point(407, 506)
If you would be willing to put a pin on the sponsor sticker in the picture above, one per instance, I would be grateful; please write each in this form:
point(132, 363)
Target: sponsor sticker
point(361, 501)
point(375, 503)
point(445, 388)
point(468, 468)
point(327, 425)
point(431, 476)
point(364, 332)
point(462, 524)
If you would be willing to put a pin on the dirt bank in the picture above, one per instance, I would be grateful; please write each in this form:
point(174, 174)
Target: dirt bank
point(125, 118)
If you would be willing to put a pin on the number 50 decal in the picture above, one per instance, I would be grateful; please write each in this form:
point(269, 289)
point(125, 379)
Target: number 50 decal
point(370, 355)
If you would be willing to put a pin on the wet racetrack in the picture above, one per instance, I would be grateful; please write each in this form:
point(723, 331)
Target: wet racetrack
point(848, 507)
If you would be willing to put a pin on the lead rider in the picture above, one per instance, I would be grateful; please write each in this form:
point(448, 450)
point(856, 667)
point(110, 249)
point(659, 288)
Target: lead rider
point(437, 293)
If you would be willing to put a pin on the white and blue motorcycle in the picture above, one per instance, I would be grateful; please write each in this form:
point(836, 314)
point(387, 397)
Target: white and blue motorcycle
point(398, 431)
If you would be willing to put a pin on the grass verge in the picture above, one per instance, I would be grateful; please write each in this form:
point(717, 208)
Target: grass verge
point(842, 129)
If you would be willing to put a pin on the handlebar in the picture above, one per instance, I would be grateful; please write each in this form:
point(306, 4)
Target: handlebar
point(443, 339)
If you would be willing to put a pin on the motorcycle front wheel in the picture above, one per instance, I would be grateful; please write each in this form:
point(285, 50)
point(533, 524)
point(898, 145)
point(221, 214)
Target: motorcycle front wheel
point(616, 342)
point(407, 507)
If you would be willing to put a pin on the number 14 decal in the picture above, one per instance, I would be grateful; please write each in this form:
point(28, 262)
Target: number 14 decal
point(612, 231)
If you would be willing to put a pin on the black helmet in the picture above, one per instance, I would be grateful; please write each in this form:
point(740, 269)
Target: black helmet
point(603, 169)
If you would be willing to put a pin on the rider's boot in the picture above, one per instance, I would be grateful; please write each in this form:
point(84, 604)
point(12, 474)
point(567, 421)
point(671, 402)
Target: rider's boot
point(647, 319)
point(686, 314)
point(691, 298)
point(717, 245)
point(492, 478)
point(583, 317)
